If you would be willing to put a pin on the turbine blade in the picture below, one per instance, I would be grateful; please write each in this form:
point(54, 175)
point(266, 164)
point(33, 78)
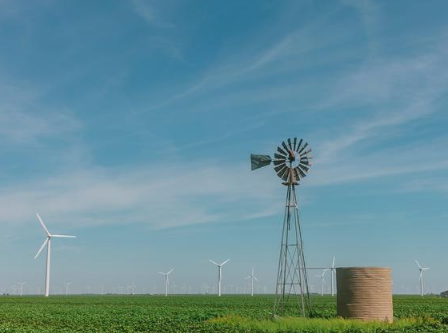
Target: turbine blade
point(43, 224)
point(225, 262)
point(170, 271)
point(162, 273)
point(304, 153)
point(41, 248)
point(63, 236)
point(255, 278)
point(279, 157)
point(284, 146)
point(418, 264)
point(259, 161)
point(332, 264)
point(295, 144)
point(248, 277)
point(213, 262)
point(289, 144)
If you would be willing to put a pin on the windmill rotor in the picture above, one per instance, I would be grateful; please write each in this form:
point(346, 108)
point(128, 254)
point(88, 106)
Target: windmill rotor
point(292, 160)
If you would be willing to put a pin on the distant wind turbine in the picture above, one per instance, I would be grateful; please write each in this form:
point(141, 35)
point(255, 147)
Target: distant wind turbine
point(21, 287)
point(219, 273)
point(47, 242)
point(66, 284)
point(421, 269)
point(167, 280)
point(252, 277)
point(333, 273)
point(322, 281)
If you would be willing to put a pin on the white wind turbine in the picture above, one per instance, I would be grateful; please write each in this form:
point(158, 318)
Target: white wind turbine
point(322, 281)
point(21, 287)
point(333, 273)
point(421, 269)
point(66, 284)
point(47, 242)
point(167, 280)
point(219, 273)
point(252, 277)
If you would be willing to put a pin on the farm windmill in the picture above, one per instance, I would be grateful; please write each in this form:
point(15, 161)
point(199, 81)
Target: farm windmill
point(291, 163)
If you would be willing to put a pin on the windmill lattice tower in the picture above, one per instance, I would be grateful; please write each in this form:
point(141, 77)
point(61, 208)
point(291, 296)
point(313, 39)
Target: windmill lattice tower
point(291, 163)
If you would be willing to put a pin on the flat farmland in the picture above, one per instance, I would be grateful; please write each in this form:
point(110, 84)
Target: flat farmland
point(145, 313)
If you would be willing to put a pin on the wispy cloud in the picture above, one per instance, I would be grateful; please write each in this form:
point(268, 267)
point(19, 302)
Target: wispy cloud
point(159, 196)
point(147, 9)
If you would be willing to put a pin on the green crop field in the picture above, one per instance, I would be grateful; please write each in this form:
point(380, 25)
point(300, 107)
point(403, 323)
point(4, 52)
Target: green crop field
point(202, 314)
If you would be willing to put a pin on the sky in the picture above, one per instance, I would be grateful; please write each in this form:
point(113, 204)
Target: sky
point(129, 123)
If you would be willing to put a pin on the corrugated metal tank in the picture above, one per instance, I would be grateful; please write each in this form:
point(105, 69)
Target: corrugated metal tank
point(364, 293)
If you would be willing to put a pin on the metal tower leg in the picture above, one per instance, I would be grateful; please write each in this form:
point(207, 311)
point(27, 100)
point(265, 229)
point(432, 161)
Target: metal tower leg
point(292, 293)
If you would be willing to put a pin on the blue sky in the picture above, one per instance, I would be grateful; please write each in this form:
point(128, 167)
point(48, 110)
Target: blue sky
point(130, 124)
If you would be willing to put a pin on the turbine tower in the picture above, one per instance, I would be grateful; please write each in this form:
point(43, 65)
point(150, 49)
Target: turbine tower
point(47, 242)
point(333, 273)
point(420, 278)
point(322, 281)
point(219, 273)
point(252, 277)
point(21, 287)
point(167, 280)
point(291, 163)
point(66, 284)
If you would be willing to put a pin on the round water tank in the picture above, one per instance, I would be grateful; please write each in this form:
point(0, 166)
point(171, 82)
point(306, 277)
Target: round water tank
point(364, 293)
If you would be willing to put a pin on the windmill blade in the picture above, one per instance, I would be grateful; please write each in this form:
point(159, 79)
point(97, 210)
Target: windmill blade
point(289, 144)
point(43, 224)
point(284, 171)
point(281, 151)
point(215, 263)
point(170, 271)
point(279, 157)
point(255, 278)
point(296, 173)
point(259, 161)
point(304, 160)
point(304, 167)
point(63, 236)
point(41, 248)
point(279, 162)
point(225, 262)
point(304, 146)
point(332, 264)
point(248, 277)
point(302, 173)
point(280, 167)
point(284, 146)
point(294, 144)
point(299, 145)
point(286, 174)
point(304, 153)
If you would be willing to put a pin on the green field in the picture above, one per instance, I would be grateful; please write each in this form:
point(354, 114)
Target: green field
point(201, 314)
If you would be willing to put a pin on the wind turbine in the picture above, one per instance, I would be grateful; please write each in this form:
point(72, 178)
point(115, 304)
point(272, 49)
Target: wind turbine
point(167, 280)
point(21, 287)
point(48, 243)
point(333, 272)
point(66, 284)
point(219, 273)
point(252, 277)
point(420, 278)
point(322, 281)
